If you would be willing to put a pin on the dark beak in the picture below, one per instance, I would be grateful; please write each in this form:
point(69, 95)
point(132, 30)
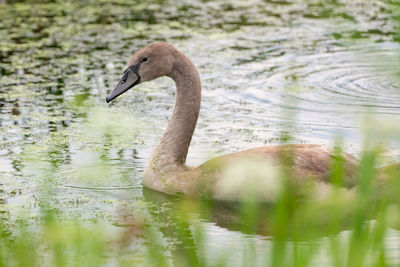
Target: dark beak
point(128, 80)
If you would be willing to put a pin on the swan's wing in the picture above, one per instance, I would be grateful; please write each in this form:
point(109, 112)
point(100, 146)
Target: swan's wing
point(305, 160)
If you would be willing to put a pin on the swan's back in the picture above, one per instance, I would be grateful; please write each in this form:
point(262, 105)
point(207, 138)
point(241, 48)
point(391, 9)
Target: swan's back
point(226, 177)
point(306, 160)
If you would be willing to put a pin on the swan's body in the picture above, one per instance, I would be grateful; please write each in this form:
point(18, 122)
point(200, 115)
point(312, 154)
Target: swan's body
point(166, 170)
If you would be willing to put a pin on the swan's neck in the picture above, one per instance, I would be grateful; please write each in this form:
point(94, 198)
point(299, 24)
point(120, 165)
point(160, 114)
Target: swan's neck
point(170, 154)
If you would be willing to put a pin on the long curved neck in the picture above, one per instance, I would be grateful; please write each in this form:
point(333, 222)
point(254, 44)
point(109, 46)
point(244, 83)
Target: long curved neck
point(174, 144)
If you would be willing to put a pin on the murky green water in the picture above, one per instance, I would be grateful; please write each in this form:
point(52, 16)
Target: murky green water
point(312, 68)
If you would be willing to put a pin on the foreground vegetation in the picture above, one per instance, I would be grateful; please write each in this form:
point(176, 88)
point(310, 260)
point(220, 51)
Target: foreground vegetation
point(350, 228)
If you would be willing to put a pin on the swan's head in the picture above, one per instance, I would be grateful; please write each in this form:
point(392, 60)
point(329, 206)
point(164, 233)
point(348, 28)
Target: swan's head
point(147, 64)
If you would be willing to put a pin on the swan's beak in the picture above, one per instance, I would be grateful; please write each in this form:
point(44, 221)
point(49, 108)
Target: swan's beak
point(128, 80)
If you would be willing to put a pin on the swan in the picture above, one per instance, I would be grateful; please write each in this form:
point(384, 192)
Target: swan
point(166, 170)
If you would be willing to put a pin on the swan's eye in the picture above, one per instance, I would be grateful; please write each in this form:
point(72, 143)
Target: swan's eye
point(144, 59)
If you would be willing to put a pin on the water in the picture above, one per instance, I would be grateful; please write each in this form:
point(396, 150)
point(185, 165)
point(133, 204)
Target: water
point(311, 69)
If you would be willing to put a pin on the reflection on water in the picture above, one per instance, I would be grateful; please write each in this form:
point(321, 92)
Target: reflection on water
point(325, 64)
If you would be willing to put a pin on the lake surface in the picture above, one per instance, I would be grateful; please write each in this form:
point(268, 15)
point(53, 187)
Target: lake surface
point(310, 71)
